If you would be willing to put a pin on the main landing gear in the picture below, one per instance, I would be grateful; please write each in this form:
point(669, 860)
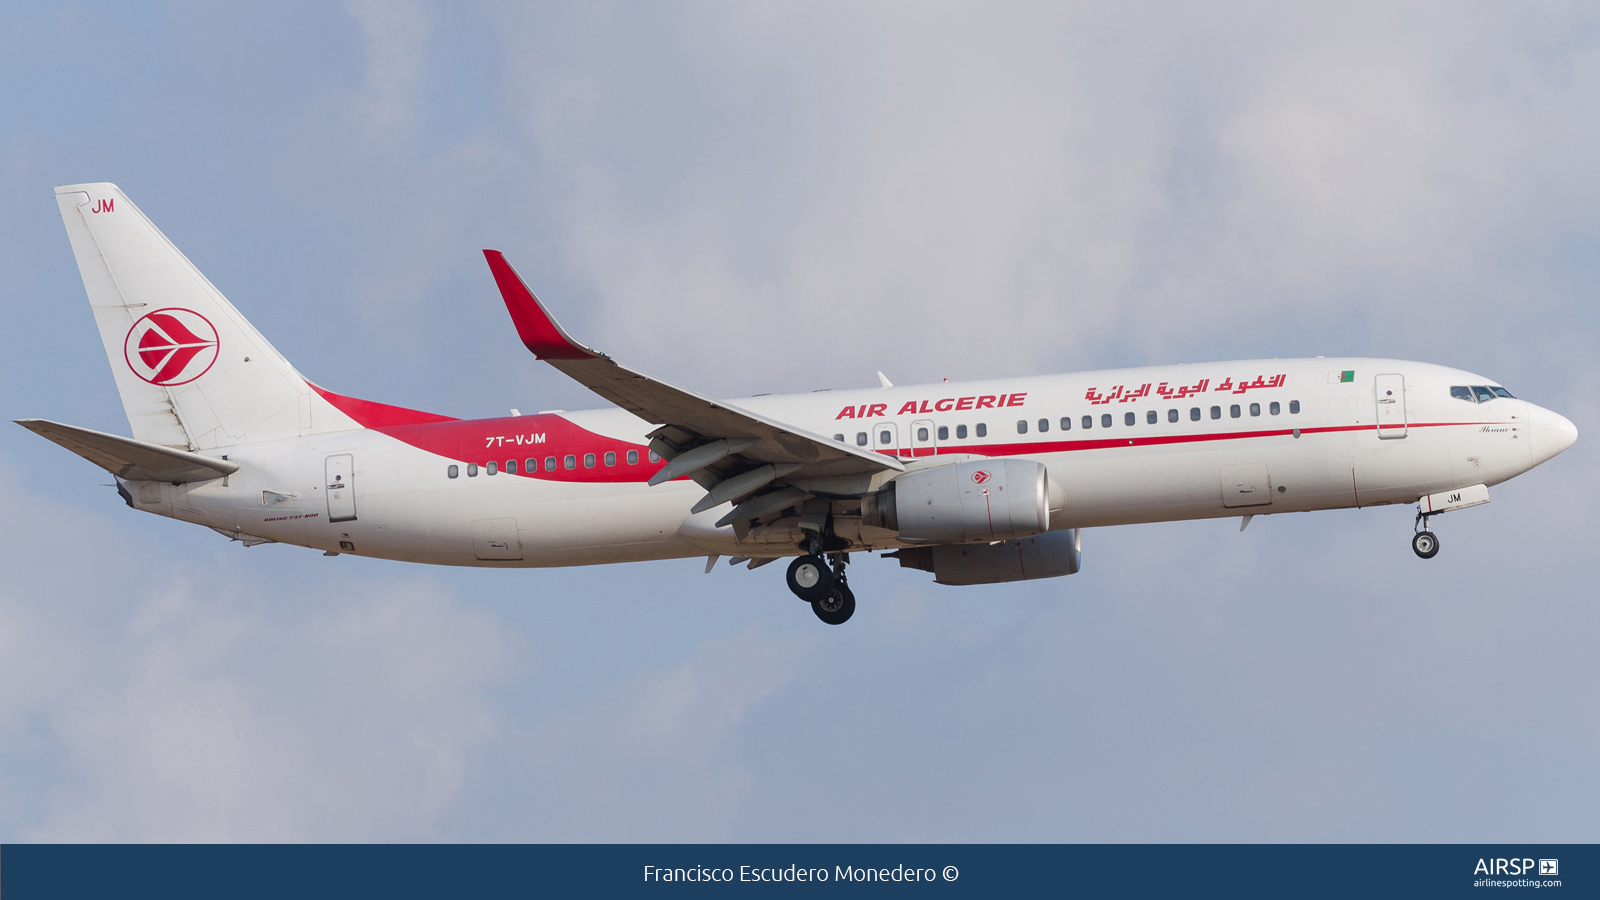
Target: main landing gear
point(826, 590)
point(1424, 543)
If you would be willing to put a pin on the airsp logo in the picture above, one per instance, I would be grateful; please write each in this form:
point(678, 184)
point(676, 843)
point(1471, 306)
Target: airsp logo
point(171, 346)
point(980, 476)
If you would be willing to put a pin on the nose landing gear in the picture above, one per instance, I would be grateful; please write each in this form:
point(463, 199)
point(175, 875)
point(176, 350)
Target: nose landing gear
point(1424, 542)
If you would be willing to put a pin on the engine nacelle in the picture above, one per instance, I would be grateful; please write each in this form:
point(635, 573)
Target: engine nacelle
point(1048, 555)
point(979, 500)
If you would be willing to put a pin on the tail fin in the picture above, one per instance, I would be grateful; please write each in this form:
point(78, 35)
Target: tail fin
point(192, 372)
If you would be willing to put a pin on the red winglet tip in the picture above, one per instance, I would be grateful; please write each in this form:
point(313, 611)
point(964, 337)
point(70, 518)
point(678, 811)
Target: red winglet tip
point(539, 332)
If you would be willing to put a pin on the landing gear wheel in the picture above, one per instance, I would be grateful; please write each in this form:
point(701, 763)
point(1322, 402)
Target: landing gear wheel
point(810, 579)
point(1425, 544)
point(837, 607)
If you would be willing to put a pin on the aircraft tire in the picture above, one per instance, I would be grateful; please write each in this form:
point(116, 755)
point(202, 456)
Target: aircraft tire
point(810, 578)
point(837, 607)
point(1425, 544)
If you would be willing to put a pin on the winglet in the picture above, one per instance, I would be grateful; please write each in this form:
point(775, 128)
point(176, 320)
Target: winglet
point(538, 330)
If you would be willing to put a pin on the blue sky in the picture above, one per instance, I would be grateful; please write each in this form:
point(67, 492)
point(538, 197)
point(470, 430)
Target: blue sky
point(788, 197)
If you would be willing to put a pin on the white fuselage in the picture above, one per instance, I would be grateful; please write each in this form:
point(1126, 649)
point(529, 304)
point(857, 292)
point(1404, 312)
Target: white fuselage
point(1262, 458)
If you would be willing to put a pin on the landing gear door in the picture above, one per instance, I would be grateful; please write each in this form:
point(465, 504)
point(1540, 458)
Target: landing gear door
point(1390, 392)
point(341, 486)
point(886, 438)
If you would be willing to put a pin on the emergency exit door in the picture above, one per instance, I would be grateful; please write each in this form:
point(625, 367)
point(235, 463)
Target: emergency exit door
point(923, 442)
point(886, 439)
point(1390, 392)
point(341, 487)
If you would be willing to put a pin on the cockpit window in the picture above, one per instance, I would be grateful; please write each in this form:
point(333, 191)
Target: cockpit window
point(1484, 394)
point(1502, 392)
point(1462, 393)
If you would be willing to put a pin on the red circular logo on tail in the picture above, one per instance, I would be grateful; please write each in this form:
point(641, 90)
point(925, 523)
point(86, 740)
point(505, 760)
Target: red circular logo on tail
point(171, 346)
point(980, 476)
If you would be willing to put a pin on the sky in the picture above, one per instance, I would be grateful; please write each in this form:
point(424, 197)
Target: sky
point(744, 198)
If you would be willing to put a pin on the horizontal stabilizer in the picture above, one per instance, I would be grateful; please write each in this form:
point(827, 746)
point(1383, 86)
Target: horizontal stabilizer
point(131, 459)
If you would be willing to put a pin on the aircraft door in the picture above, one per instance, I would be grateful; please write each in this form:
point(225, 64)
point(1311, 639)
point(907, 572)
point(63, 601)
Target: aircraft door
point(1390, 392)
point(341, 486)
point(1246, 485)
point(496, 539)
point(886, 438)
point(921, 438)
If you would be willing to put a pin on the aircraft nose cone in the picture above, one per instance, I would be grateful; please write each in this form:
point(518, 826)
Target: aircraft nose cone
point(1552, 433)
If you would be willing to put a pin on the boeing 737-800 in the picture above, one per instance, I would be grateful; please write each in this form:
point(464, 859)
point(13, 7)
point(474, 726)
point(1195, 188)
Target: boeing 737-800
point(977, 482)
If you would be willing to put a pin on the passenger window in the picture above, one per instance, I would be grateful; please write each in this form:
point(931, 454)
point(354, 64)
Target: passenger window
point(1150, 417)
point(1502, 392)
point(1088, 422)
point(1216, 412)
point(1233, 411)
point(981, 430)
point(1127, 418)
point(1105, 420)
point(839, 438)
point(1274, 408)
point(1172, 415)
point(944, 432)
point(1294, 407)
point(453, 472)
point(1022, 426)
point(1484, 394)
point(611, 458)
point(1066, 423)
point(472, 470)
point(493, 467)
point(655, 457)
point(922, 435)
point(861, 439)
point(633, 457)
point(1462, 393)
point(1044, 425)
point(961, 432)
point(1194, 413)
point(588, 460)
point(511, 467)
point(569, 461)
point(530, 466)
point(549, 463)
point(1255, 409)
point(883, 438)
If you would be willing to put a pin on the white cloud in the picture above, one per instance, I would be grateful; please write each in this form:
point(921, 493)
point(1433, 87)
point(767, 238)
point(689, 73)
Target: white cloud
point(396, 34)
point(211, 703)
point(657, 756)
point(1001, 190)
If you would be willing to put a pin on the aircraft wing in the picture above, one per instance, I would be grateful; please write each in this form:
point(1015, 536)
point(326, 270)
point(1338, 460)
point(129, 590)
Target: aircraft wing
point(722, 447)
point(131, 459)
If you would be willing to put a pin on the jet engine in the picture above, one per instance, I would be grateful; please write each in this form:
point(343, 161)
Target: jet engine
point(978, 500)
point(1048, 555)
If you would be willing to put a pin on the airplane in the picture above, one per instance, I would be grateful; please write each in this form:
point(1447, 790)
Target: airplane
point(977, 482)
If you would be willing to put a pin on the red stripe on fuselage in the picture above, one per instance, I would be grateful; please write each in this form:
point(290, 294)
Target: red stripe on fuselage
point(481, 441)
point(523, 438)
point(1027, 447)
point(379, 415)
